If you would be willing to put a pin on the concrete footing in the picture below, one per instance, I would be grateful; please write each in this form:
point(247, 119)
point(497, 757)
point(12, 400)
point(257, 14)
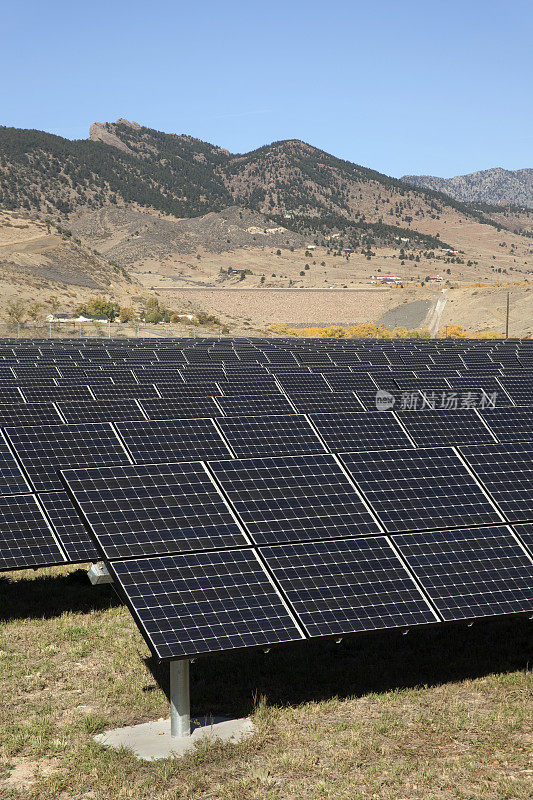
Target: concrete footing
point(152, 740)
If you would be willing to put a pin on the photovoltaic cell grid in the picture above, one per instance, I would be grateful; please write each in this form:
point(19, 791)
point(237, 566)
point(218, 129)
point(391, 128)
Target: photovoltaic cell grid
point(28, 414)
point(100, 411)
point(317, 402)
point(180, 407)
point(173, 440)
point(293, 498)
point(12, 480)
point(153, 509)
point(347, 586)
point(525, 532)
point(421, 489)
point(506, 472)
point(269, 435)
point(510, 424)
point(26, 539)
point(470, 573)
point(365, 430)
point(205, 602)
point(68, 526)
point(242, 404)
point(45, 450)
point(441, 428)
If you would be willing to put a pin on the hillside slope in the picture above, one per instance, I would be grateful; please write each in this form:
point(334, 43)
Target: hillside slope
point(494, 186)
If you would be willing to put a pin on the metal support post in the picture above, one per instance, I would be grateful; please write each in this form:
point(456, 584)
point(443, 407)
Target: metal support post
point(180, 702)
point(109, 329)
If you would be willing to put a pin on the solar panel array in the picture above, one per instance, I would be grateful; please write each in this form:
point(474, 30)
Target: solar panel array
point(252, 492)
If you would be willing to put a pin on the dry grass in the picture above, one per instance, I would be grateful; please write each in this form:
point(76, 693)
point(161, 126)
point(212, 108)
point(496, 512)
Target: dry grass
point(441, 714)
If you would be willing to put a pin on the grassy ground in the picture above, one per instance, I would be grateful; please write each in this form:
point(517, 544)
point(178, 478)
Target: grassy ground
point(438, 714)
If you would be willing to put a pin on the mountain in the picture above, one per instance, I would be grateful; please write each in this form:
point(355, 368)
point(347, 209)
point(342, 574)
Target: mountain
point(492, 186)
point(294, 184)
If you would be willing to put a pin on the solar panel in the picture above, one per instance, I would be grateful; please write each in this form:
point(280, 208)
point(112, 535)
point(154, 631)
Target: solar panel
point(506, 472)
point(153, 509)
point(269, 435)
point(101, 411)
point(440, 428)
point(135, 390)
point(186, 605)
point(310, 402)
point(292, 384)
point(173, 440)
point(68, 526)
point(525, 532)
point(180, 407)
point(28, 414)
point(12, 480)
point(293, 498)
point(470, 573)
point(350, 382)
point(387, 399)
point(26, 539)
point(364, 430)
point(255, 404)
point(419, 489)
point(10, 395)
point(187, 390)
point(46, 449)
point(248, 386)
point(346, 586)
point(52, 394)
point(510, 424)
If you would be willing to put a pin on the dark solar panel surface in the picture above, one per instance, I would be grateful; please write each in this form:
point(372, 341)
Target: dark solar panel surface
point(205, 602)
point(510, 424)
point(173, 440)
point(441, 428)
point(68, 526)
point(323, 402)
point(28, 414)
point(419, 489)
point(241, 404)
point(365, 430)
point(101, 411)
point(470, 573)
point(26, 539)
point(154, 509)
point(506, 472)
point(12, 480)
point(293, 498)
point(347, 585)
point(47, 449)
point(269, 435)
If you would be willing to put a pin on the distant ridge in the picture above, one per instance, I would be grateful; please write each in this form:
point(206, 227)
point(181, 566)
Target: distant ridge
point(493, 186)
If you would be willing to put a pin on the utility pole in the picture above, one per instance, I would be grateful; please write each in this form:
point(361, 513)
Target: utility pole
point(507, 317)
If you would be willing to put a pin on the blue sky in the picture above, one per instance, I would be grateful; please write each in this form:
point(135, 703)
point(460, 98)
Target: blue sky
point(440, 88)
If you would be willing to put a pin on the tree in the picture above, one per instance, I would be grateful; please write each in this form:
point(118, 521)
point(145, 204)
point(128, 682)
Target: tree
point(34, 310)
point(15, 312)
point(126, 314)
point(97, 306)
